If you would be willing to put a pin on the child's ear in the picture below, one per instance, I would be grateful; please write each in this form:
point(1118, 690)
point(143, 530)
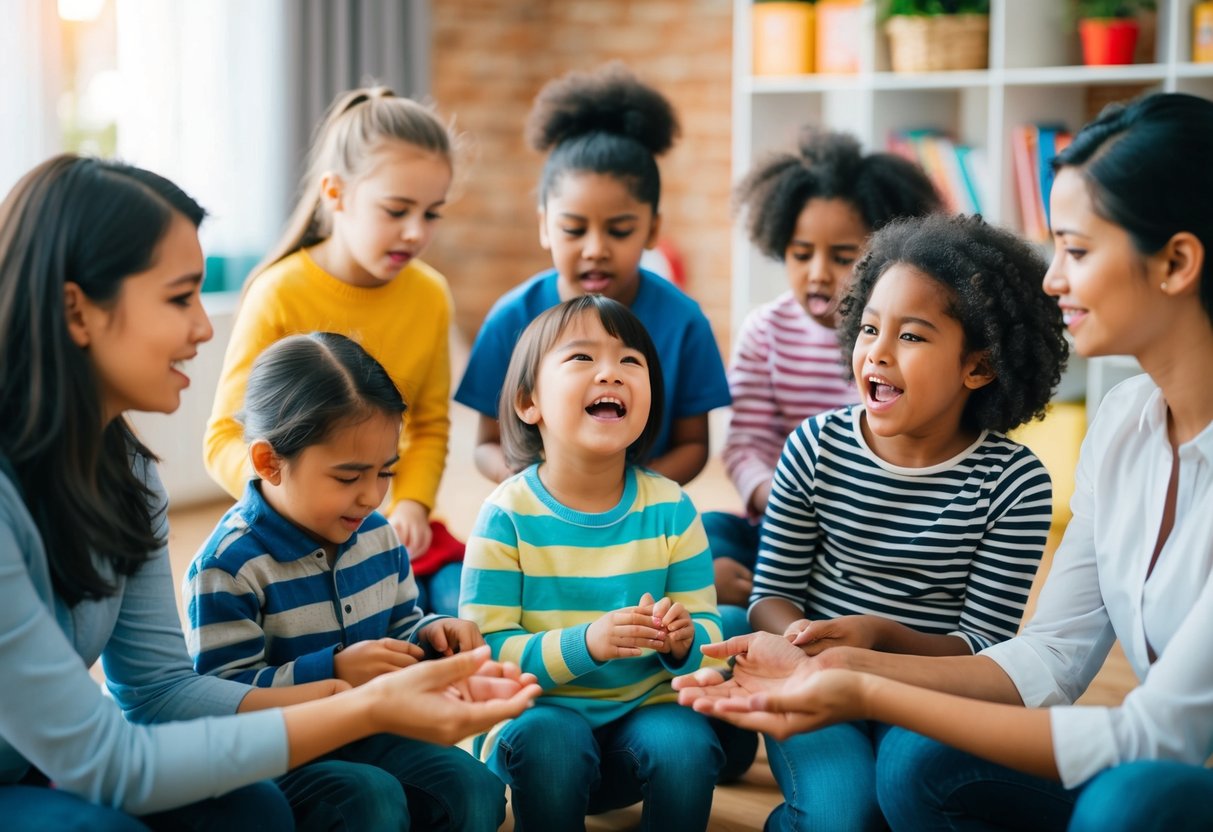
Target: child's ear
point(544, 240)
point(654, 231)
point(526, 408)
point(75, 306)
point(978, 372)
point(331, 191)
point(266, 463)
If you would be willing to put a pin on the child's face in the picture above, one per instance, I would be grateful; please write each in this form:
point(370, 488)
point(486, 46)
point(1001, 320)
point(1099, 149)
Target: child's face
point(386, 218)
point(139, 343)
point(591, 396)
point(1097, 276)
point(596, 231)
point(910, 362)
point(828, 239)
point(329, 489)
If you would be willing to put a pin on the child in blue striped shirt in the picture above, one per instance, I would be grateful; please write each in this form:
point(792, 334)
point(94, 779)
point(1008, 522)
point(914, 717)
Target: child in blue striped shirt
point(594, 574)
point(304, 580)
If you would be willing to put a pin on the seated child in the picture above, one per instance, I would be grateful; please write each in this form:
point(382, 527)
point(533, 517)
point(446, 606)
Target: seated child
point(303, 580)
point(593, 573)
point(813, 210)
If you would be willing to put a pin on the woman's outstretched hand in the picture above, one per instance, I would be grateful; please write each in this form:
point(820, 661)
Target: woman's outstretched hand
point(445, 700)
point(773, 687)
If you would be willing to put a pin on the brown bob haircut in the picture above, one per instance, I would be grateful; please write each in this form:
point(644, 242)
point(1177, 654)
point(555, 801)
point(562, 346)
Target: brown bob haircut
point(521, 443)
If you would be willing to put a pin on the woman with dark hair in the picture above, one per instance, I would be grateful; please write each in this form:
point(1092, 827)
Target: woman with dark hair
point(100, 273)
point(1132, 216)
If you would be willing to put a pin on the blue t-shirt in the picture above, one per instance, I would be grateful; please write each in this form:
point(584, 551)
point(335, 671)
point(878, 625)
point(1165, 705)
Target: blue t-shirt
point(691, 368)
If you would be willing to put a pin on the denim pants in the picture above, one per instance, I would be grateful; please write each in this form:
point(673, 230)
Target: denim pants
point(260, 807)
point(440, 592)
point(1146, 795)
point(389, 783)
point(559, 769)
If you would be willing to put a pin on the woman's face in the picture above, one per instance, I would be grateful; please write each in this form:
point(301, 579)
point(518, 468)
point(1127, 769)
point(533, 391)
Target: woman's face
point(139, 342)
point(1102, 283)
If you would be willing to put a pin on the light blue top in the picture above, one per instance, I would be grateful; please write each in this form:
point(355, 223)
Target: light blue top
point(691, 369)
point(54, 716)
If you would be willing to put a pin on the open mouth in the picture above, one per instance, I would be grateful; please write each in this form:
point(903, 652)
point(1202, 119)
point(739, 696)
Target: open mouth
point(607, 408)
point(594, 281)
point(1072, 315)
point(881, 392)
point(819, 303)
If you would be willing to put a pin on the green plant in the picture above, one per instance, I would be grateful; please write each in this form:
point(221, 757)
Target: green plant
point(892, 8)
point(1111, 8)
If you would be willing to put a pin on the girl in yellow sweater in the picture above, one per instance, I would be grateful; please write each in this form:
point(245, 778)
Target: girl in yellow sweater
point(348, 262)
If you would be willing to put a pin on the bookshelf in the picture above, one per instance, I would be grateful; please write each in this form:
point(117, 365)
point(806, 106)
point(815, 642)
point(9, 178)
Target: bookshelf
point(1035, 75)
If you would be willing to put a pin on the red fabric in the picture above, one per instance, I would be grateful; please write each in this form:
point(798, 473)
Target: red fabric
point(444, 548)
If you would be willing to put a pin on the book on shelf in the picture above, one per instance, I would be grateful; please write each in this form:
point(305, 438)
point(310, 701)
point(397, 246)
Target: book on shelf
point(956, 170)
point(1033, 148)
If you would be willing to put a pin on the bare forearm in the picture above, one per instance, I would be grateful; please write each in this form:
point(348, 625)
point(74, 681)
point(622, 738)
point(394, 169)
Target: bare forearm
point(682, 463)
point(1013, 736)
point(975, 677)
point(318, 727)
point(894, 637)
point(260, 699)
point(490, 462)
point(774, 615)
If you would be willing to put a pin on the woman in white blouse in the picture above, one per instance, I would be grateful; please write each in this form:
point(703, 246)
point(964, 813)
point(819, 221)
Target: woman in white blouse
point(1132, 219)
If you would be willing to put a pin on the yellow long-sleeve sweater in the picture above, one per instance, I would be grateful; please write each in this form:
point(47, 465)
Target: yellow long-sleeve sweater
point(404, 324)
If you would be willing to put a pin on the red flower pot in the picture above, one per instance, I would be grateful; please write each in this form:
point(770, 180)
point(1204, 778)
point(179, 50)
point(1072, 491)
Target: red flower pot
point(1108, 40)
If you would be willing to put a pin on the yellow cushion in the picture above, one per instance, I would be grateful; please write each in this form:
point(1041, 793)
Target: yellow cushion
point(1056, 440)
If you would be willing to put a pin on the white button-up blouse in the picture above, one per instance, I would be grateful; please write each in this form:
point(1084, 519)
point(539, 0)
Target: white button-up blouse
point(1097, 592)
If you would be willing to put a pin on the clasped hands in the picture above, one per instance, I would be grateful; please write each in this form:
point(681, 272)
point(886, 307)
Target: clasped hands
point(662, 625)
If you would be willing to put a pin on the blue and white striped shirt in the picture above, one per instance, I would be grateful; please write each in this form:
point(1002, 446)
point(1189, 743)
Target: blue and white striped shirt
point(264, 607)
point(950, 549)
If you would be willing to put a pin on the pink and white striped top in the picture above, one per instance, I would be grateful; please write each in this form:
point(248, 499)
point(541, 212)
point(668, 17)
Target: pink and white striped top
point(786, 367)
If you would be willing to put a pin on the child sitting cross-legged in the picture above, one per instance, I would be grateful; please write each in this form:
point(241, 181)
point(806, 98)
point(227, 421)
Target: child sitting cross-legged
point(304, 580)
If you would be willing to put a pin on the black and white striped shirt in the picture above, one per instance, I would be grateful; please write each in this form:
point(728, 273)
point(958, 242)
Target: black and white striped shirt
point(950, 549)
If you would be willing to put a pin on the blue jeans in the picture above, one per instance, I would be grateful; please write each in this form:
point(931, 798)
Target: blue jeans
point(923, 785)
point(828, 779)
point(559, 769)
point(440, 592)
point(1149, 794)
point(253, 808)
point(391, 783)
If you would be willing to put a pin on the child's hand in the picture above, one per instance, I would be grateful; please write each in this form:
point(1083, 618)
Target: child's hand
point(623, 633)
point(364, 660)
point(847, 630)
point(675, 622)
point(448, 636)
point(733, 582)
point(411, 521)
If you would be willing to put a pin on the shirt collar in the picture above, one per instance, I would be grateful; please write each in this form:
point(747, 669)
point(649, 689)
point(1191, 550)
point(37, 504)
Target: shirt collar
point(282, 539)
point(1153, 420)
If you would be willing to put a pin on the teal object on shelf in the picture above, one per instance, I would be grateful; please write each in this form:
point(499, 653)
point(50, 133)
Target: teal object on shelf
point(227, 273)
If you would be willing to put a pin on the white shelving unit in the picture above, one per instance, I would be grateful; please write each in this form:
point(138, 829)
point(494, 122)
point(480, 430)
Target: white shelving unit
point(1035, 75)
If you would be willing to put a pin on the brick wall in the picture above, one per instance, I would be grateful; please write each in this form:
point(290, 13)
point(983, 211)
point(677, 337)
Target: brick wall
point(491, 57)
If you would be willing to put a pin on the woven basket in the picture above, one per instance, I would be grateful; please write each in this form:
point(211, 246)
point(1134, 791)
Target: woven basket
point(939, 42)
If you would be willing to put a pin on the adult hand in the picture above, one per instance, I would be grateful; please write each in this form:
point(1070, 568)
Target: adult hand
point(623, 633)
point(802, 703)
point(733, 582)
point(417, 701)
point(844, 631)
point(362, 661)
point(411, 520)
point(451, 635)
point(762, 662)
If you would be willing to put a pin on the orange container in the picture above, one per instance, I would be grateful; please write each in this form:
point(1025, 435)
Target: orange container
point(1202, 33)
point(783, 38)
point(838, 23)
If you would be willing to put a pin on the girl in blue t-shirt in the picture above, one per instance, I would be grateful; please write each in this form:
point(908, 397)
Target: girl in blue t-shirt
point(598, 212)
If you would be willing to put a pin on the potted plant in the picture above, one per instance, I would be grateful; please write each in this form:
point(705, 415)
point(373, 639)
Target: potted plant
point(783, 37)
point(932, 35)
point(1109, 29)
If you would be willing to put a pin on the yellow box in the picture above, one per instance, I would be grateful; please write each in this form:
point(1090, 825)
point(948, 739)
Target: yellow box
point(1202, 33)
point(783, 38)
point(838, 26)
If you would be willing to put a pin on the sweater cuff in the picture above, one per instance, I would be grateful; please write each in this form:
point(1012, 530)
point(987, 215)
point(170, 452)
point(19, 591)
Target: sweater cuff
point(315, 667)
point(576, 652)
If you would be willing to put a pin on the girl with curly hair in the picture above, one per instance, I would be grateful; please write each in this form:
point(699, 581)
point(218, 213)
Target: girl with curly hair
point(812, 210)
point(909, 523)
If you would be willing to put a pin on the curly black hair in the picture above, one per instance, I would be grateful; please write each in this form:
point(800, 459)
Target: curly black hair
point(606, 122)
point(829, 165)
point(994, 280)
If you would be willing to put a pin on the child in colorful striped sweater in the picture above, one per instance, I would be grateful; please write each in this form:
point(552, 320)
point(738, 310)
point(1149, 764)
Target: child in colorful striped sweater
point(304, 580)
point(594, 574)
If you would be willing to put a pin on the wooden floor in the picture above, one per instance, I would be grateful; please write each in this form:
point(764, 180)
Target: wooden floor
point(743, 806)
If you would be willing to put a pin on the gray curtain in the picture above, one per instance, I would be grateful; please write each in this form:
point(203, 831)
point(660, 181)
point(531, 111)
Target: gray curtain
point(334, 45)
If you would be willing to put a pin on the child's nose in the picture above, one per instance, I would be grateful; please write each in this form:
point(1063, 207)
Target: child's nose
point(608, 373)
point(594, 246)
